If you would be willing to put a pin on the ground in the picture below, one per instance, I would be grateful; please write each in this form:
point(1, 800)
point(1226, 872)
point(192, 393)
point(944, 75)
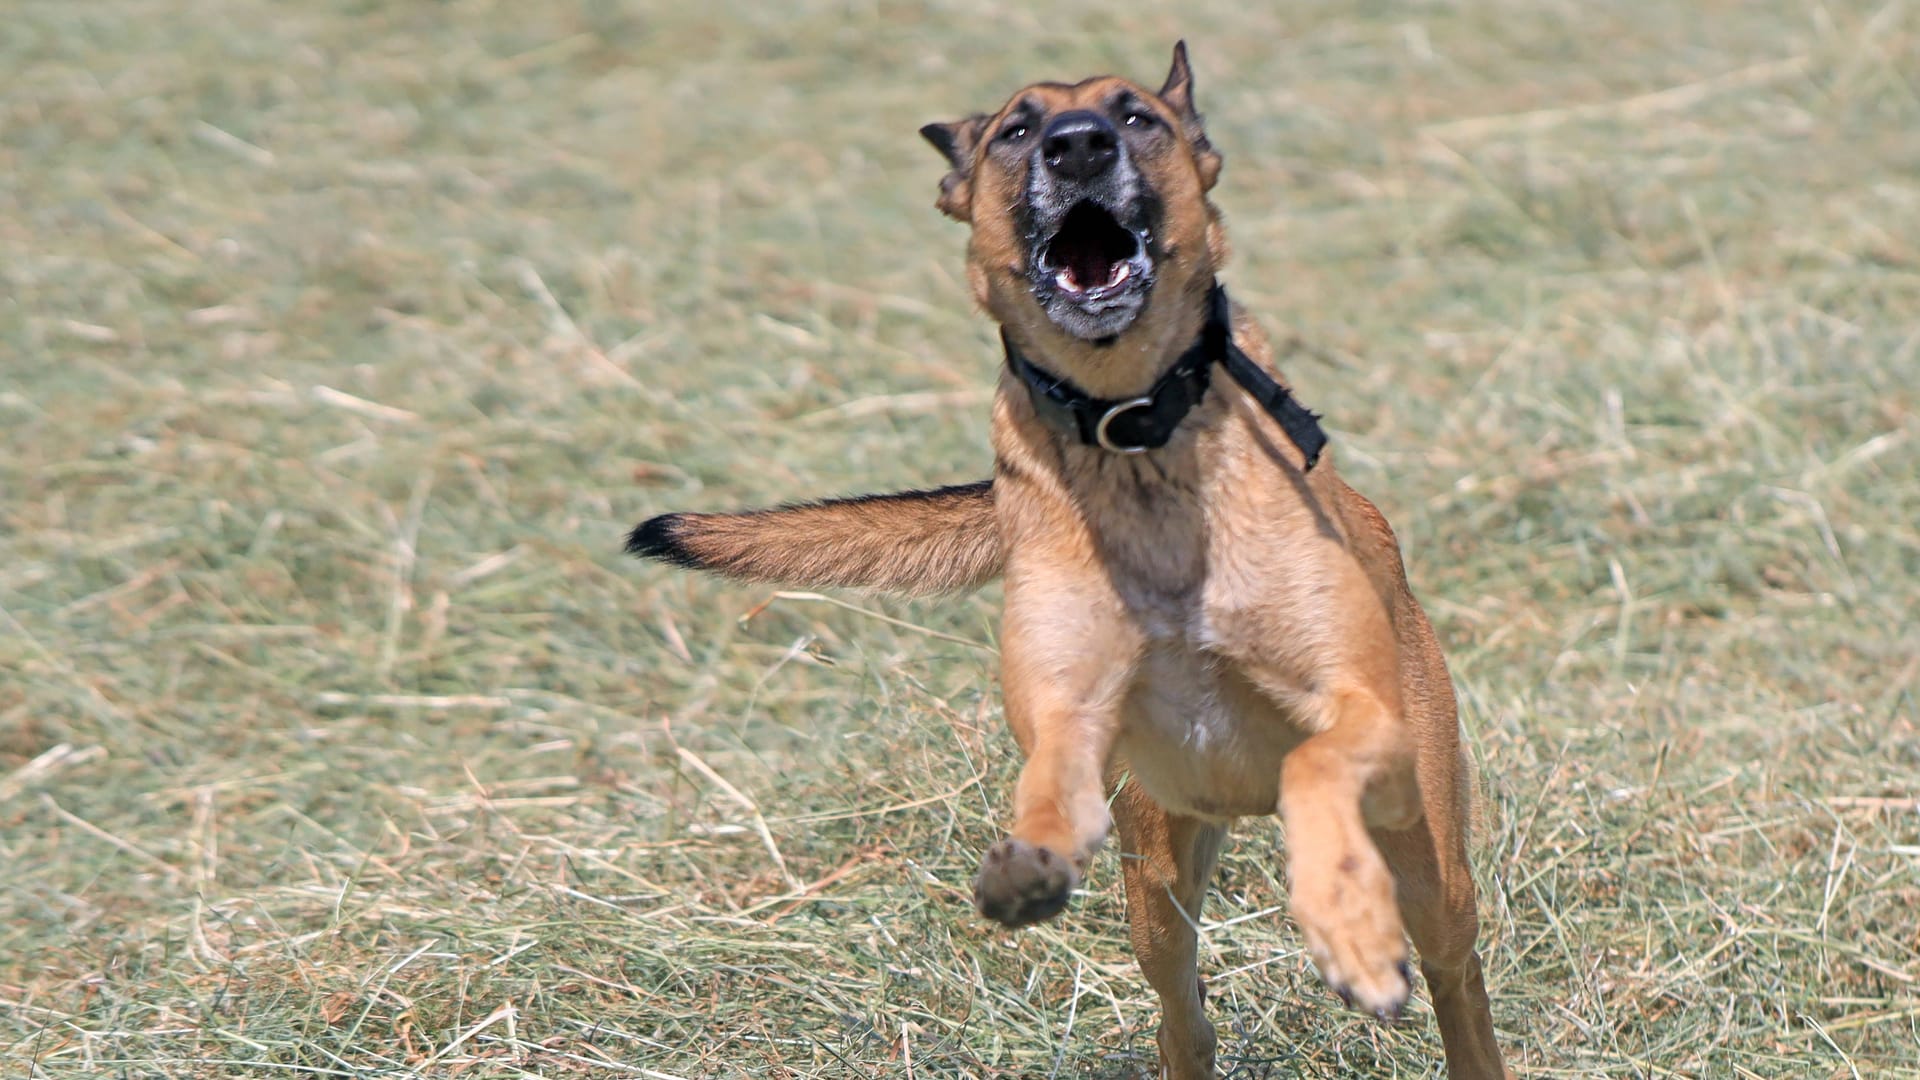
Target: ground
point(340, 342)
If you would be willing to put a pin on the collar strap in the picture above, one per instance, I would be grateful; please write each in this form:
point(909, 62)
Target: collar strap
point(1122, 425)
point(1136, 425)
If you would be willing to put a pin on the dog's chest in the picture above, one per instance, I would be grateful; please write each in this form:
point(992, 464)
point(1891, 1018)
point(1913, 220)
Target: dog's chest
point(1195, 731)
point(1155, 554)
point(1199, 737)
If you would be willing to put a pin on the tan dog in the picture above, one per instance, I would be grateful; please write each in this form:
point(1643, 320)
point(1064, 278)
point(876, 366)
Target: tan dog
point(1191, 603)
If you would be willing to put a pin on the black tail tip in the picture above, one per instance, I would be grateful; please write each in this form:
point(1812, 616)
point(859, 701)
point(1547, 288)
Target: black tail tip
point(659, 538)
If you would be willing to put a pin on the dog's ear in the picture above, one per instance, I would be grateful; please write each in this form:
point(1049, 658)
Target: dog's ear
point(1178, 91)
point(956, 142)
point(1178, 94)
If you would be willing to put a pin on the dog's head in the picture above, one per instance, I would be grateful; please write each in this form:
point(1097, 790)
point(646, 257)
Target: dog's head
point(1085, 201)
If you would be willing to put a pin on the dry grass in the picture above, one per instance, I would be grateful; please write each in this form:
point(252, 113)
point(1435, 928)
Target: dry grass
point(340, 342)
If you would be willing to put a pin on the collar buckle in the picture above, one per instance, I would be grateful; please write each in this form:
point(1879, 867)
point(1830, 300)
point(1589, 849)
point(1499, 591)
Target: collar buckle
point(1068, 408)
point(1105, 441)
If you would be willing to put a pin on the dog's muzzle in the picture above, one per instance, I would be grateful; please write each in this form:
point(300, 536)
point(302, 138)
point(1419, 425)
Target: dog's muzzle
point(1090, 267)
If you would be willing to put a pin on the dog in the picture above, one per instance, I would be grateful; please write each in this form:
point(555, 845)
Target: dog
point(1202, 621)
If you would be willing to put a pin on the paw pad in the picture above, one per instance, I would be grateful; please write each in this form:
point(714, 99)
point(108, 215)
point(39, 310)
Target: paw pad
point(1021, 883)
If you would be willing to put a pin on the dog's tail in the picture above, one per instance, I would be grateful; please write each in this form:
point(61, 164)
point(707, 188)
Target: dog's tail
point(923, 542)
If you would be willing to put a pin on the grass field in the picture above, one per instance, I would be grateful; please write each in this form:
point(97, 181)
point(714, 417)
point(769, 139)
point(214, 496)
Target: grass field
point(341, 342)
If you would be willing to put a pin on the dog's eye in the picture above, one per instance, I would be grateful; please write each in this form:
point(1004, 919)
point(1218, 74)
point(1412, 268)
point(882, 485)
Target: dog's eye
point(1140, 119)
point(1014, 132)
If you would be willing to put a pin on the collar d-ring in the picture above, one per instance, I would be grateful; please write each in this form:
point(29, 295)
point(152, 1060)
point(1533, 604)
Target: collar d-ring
point(1076, 412)
point(1105, 441)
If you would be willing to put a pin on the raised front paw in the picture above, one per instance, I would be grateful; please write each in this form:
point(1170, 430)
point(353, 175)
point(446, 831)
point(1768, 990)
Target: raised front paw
point(1346, 911)
point(1021, 883)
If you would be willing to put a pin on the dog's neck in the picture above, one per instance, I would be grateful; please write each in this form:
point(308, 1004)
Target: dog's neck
point(1148, 420)
point(1129, 364)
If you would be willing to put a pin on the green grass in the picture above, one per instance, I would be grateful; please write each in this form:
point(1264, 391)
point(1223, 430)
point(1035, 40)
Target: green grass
point(340, 342)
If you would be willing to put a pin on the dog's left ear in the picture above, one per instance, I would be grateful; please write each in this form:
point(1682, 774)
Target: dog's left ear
point(1178, 94)
point(956, 142)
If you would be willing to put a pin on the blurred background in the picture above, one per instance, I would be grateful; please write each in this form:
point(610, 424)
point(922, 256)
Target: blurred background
point(341, 342)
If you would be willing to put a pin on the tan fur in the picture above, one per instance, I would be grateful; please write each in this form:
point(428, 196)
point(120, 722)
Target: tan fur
point(1231, 633)
point(915, 542)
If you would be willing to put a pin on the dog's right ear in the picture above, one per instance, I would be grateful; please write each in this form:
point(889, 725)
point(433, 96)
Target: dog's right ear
point(956, 142)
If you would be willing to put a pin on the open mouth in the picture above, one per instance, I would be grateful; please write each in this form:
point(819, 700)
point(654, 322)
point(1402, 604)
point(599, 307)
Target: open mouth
point(1092, 255)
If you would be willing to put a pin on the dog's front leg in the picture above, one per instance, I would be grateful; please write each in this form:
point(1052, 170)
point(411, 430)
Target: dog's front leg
point(1067, 656)
point(1356, 772)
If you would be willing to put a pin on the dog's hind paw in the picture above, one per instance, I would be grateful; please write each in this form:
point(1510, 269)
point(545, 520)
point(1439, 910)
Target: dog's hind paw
point(1021, 883)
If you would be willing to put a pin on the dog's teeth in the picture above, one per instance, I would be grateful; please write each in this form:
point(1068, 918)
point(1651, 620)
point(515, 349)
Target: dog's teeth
point(1064, 279)
point(1120, 274)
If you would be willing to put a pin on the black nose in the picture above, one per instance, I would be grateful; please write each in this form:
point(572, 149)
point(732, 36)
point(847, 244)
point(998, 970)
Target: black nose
point(1079, 145)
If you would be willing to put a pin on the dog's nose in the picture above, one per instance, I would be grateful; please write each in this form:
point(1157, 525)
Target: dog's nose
point(1079, 145)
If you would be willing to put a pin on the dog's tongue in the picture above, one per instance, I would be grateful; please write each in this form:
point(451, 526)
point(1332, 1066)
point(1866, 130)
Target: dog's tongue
point(1089, 267)
point(1091, 248)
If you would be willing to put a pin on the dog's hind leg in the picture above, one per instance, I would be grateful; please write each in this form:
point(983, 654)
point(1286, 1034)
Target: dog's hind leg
point(1437, 900)
point(1167, 861)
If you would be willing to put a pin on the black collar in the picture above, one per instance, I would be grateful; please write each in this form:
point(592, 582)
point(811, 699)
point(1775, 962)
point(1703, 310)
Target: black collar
point(1136, 425)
